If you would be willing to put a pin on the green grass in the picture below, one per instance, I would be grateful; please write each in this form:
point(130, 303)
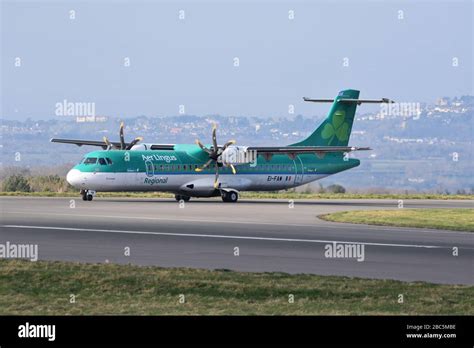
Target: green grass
point(258, 195)
point(446, 219)
point(44, 287)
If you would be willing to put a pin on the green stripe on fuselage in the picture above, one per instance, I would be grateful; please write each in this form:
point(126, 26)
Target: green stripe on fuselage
point(185, 158)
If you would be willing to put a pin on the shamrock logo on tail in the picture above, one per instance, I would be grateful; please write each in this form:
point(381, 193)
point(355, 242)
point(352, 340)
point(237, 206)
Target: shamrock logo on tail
point(338, 128)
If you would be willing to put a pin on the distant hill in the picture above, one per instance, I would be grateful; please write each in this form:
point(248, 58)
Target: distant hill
point(432, 150)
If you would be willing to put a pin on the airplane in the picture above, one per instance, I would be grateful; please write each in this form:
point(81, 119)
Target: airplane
point(210, 170)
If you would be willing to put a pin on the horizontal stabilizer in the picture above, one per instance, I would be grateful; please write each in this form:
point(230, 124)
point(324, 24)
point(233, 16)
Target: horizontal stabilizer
point(350, 100)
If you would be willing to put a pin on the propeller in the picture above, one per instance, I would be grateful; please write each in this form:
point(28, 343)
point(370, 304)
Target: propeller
point(134, 142)
point(122, 138)
point(123, 145)
point(109, 144)
point(214, 152)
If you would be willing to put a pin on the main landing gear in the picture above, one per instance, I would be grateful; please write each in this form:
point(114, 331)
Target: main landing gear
point(181, 197)
point(87, 195)
point(230, 196)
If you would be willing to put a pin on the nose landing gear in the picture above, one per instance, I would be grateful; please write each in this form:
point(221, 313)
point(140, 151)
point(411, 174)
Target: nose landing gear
point(181, 197)
point(87, 195)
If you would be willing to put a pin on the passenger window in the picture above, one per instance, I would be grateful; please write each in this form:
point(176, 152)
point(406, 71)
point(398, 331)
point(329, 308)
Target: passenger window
point(90, 160)
point(102, 162)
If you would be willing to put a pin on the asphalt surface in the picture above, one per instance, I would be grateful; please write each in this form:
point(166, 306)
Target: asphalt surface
point(270, 236)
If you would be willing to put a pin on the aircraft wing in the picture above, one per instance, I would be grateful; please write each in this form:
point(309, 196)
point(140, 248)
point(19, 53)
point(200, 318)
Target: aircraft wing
point(86, 142)
point(304, 149)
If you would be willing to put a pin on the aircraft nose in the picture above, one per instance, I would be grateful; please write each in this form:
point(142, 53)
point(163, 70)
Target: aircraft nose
point(74, 177)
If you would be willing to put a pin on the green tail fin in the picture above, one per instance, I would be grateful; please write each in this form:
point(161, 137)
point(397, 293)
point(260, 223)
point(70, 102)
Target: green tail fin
point(336, 128)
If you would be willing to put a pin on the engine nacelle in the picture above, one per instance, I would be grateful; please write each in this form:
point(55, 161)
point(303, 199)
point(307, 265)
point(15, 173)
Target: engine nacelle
point(236, 155)
point(149, 146)
point(140, 147)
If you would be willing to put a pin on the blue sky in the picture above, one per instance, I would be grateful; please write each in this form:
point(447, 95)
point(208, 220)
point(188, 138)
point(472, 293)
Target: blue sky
point(190, 62)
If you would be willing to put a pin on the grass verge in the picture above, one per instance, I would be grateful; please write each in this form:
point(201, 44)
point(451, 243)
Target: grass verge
point(44, 287)
point(445, 219)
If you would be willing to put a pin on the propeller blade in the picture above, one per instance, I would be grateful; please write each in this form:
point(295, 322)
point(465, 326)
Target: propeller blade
point(107, 142)
point(216, 179)
point(233, 169)
point(200, 169)
point(214, 137)
point(226, 145)
point(122, 140)
point(203, 147)
point(136, 140)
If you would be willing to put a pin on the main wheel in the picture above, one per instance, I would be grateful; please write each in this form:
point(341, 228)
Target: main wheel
point(89, 197)
point(231, 196)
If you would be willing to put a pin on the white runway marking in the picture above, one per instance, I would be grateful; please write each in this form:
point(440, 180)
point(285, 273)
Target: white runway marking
point(221, 236)
point(327, 224)
point(177, 218)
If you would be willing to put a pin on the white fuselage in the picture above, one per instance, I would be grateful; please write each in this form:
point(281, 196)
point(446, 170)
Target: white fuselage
point(196, 184)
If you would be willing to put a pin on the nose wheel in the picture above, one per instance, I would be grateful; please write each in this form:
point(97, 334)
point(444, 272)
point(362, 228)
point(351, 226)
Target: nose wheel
point(181, 197)
point(87, 195)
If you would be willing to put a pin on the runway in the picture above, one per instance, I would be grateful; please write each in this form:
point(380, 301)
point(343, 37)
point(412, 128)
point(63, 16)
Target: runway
point(271, 235)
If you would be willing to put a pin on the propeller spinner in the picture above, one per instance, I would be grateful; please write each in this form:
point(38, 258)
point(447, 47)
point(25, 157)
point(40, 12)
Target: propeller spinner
point(214, 152)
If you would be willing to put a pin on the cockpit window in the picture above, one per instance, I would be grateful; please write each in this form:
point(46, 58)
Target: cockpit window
point(90, 160)
point(102, 161)
point(82, 160)
point(109, 161)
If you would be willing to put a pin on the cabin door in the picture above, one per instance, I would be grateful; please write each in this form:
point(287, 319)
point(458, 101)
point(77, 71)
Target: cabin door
point(299, 171)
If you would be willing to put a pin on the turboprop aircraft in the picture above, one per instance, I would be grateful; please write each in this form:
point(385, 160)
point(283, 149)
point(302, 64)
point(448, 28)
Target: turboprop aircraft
point(199, 170)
